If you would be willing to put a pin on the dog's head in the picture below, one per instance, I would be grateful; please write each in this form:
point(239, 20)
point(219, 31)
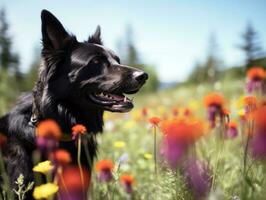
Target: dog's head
point(85, 74)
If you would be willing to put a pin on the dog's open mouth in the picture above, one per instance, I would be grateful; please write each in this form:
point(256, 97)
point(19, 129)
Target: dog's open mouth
point(112, 102)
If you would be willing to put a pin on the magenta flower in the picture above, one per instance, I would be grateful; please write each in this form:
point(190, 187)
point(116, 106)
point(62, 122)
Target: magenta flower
point(104, 168)
point(173, 151)
point(231, 131)
point(256, 77)
point(46, 144)
point(198, 177)
point(214, 103)
point(259, 145)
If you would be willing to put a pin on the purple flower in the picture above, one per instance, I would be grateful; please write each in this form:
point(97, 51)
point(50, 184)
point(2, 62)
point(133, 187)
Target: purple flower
point(254, 85)
point(231, 131)
point(105, 175)
point(46, 144)
point(128, 188)
point(198, 178)
point(258, 145)
point(72, 195)
point(173, 151)
point(213, 111)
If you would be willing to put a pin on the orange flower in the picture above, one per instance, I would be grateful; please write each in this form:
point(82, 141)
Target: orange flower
point(144, 112)
point(155, 121)
point(231, 124)
point(127, 182)
point(127, 179)
point(187, 112)
point(79, 129)
point(104, 165)
point(180, 129)
point(256, 73)
point(226, 112)
point(260, 117)
point(62, 157)
point(213, 99)
point(71, 179)
point(175, 111)
point(48, 129)
point(250, 101)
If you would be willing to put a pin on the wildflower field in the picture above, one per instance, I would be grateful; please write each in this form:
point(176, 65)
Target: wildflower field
point(211, 161)
point(191, 142)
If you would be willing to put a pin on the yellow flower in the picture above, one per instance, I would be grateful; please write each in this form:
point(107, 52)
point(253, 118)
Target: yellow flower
point(193, 104)
point(119, 144)
point(241, 112)
point(43, 167)
point(147, 156)
point(45, 190)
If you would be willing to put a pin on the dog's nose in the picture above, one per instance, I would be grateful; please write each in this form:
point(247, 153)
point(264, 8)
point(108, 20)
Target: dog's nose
point(140, 76)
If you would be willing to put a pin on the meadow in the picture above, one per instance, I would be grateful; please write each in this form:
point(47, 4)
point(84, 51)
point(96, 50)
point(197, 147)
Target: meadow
point(169, 147)
point(223, 156)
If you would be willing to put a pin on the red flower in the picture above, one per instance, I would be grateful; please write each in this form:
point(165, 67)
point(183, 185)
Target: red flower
point(185, 130)
point(214, 99)
point(178, 135)
point(250, 101)
point(48, 129)
point(104, 167)
point(126, 178)
point(175, 112)
point(256, 73)
point(155, 121)
point(127, 181)
point(78, 129)
point(260, 118)
point(71, 180)
point(144, 112)
point(258, 143)
point(187, 112)
point(62, 157)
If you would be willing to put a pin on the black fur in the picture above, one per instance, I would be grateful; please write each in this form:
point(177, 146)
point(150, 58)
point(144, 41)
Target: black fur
point(71, 76)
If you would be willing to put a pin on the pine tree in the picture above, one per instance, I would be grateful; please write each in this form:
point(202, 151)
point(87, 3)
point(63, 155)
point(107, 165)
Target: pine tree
point(208, 70)
point(250, 46)
point(8, 60)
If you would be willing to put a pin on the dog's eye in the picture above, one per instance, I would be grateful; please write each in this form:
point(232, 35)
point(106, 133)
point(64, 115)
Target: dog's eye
point(96, 60)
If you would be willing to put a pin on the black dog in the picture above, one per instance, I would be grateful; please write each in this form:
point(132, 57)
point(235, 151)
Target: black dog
point(77, 82)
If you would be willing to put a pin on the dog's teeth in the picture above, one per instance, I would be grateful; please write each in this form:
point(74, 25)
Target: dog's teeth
point(125, 99)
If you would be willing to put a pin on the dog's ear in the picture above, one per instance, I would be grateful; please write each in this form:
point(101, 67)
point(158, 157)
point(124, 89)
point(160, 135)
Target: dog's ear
point(53, 33)
point(96, 37)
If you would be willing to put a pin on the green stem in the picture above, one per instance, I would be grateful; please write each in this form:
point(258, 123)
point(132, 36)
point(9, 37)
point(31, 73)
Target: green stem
point(154, 150)
point(219, 141)
point(79, 161)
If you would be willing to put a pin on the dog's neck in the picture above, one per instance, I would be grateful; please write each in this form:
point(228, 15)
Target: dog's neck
point(68, 115)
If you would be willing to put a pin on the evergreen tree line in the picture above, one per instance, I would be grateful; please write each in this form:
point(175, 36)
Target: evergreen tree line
point(212, 68)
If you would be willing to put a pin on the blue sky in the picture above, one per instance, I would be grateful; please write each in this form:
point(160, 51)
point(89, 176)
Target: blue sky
point(171, 35)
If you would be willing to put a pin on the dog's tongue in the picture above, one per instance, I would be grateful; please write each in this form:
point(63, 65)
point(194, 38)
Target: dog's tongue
point(117, 97)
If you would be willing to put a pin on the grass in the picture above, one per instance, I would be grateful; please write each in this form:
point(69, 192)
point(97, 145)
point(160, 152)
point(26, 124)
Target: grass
point(229, 182)
point(224, 156)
